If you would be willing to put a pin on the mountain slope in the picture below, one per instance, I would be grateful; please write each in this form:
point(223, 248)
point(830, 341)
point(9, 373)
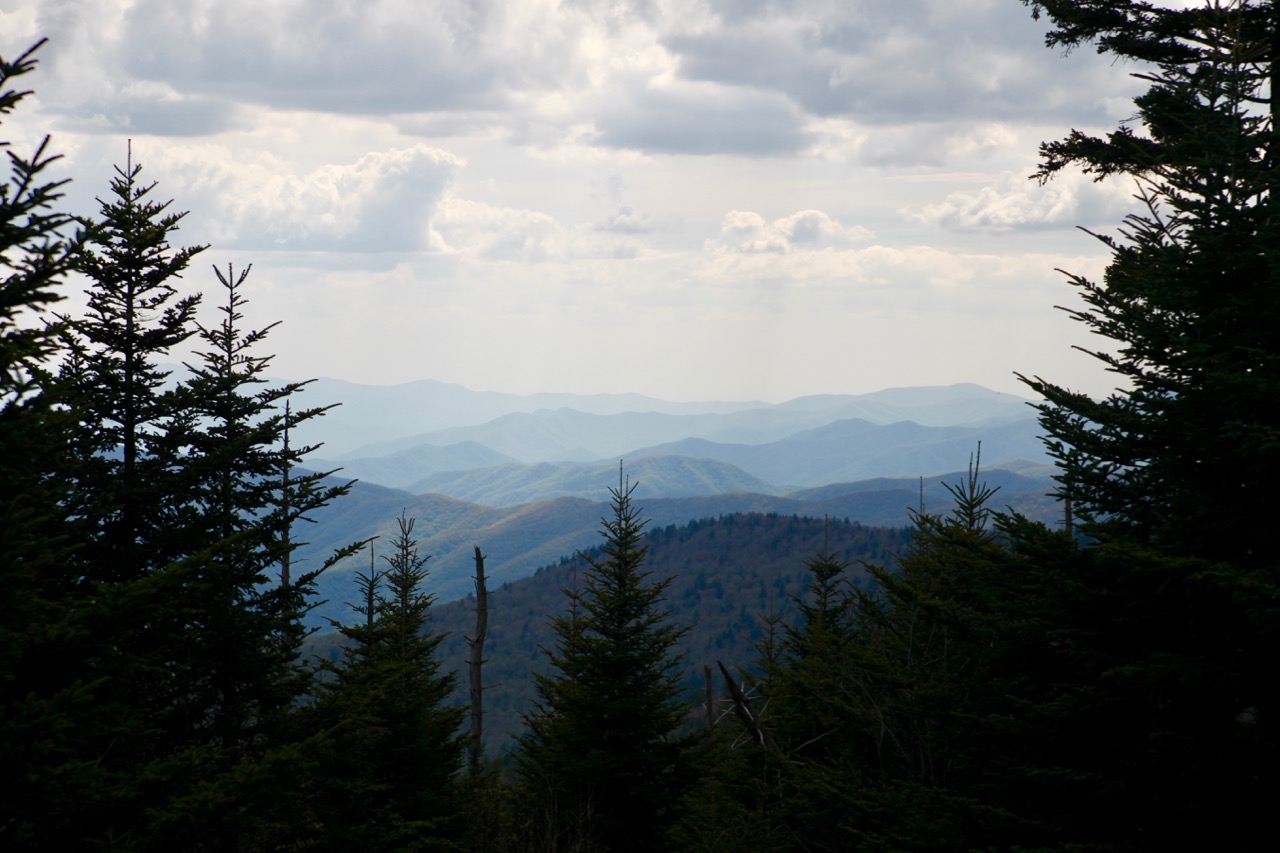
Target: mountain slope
point(543, 428)
point(728, 572)
point(520, 538)
point(856, 449)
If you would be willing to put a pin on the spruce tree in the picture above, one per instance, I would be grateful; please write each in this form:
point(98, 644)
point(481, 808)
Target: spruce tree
point(602, 760)
point(128, 450)
point(396, 750)
point(1173, 472)
point(1183, 456)
point(127, 501)
point(51, 717)
point(180, 520)
point(249, 626)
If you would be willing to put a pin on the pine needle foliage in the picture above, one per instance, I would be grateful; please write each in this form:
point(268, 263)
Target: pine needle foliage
point(602, 761)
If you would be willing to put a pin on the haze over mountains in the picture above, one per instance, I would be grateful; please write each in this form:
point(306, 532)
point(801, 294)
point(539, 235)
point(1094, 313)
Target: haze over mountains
point(374, 420)
point(527, 477)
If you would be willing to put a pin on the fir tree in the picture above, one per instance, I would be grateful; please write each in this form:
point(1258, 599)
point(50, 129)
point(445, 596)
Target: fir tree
point(602, 760)
point(1175, 469)
point(391, 768)
point(1183, 456)
point(179, 517)
point(50, 714)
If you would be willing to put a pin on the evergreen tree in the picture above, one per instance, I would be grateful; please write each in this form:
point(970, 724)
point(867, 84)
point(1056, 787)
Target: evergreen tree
point(1172, 472)
point(128, 450)
point(49, 712)
point(390, 771)
point(601, 760)
point(1185, 454)
point(180, 516)
point(249, 626)
point(242, 636)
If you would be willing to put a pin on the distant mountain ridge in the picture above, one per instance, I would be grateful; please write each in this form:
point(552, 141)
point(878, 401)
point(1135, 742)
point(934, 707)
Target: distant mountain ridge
point(373, 420)
point(842, 451)
point(528, 483)
point(659, 476)
point(808, 441)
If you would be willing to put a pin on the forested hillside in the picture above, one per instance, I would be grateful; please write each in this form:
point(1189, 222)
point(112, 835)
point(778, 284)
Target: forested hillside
point(519, 539)
point(729, 574)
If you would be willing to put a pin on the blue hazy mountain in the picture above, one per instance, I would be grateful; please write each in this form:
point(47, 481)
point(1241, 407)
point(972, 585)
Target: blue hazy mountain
point(518, 539)
point(374, 420)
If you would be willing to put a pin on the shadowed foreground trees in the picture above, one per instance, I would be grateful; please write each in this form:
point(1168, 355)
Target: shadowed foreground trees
point(601, 764)
point(1012, 687)
point(151, 686)
point(44, 689)
point(1180, 463)
point(387, 778)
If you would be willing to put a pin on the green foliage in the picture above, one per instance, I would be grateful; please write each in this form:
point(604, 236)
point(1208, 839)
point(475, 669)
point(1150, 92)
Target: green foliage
point(601, 761)
point(1185, 454)
point(50, 715)
point(150, 676)
point(1172, 472)
point(389, 772)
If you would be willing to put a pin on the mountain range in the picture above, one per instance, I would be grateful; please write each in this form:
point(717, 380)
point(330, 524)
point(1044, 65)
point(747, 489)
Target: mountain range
point(526, 477)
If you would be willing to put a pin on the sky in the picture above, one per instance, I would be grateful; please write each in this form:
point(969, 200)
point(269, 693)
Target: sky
point(690, 199)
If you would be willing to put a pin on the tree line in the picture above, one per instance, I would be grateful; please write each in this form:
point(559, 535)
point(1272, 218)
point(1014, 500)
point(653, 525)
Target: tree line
point(1106, 684)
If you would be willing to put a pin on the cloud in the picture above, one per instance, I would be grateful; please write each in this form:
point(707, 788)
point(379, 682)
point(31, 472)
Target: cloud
point(486, 233)
point(887, 61)
point(154, 110)
point(1015, 203)
point(490, 233)
point(702, 119)
point(807, 230)
point(743, 78)
point(927, 144)
point(382, 202)
point(628, 221)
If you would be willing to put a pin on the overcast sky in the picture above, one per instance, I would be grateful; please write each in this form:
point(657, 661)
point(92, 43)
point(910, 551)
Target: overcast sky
point(683, 198)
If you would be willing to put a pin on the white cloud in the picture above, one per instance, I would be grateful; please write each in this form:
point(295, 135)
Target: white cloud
point(485, 232)
point(804, 231)
point(382, 202)
point(1017, 203)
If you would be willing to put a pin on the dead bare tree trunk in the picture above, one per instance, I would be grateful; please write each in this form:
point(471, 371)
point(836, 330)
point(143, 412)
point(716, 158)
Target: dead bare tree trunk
point(476, 663)
point(286, 547)
point(750, 719)
point(710, 698)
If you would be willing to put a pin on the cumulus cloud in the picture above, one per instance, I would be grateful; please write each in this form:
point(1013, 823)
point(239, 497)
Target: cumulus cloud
point(1016, 203)
point(382, 202)
point(702, 77)
point(492, 233)
point(807, 230)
